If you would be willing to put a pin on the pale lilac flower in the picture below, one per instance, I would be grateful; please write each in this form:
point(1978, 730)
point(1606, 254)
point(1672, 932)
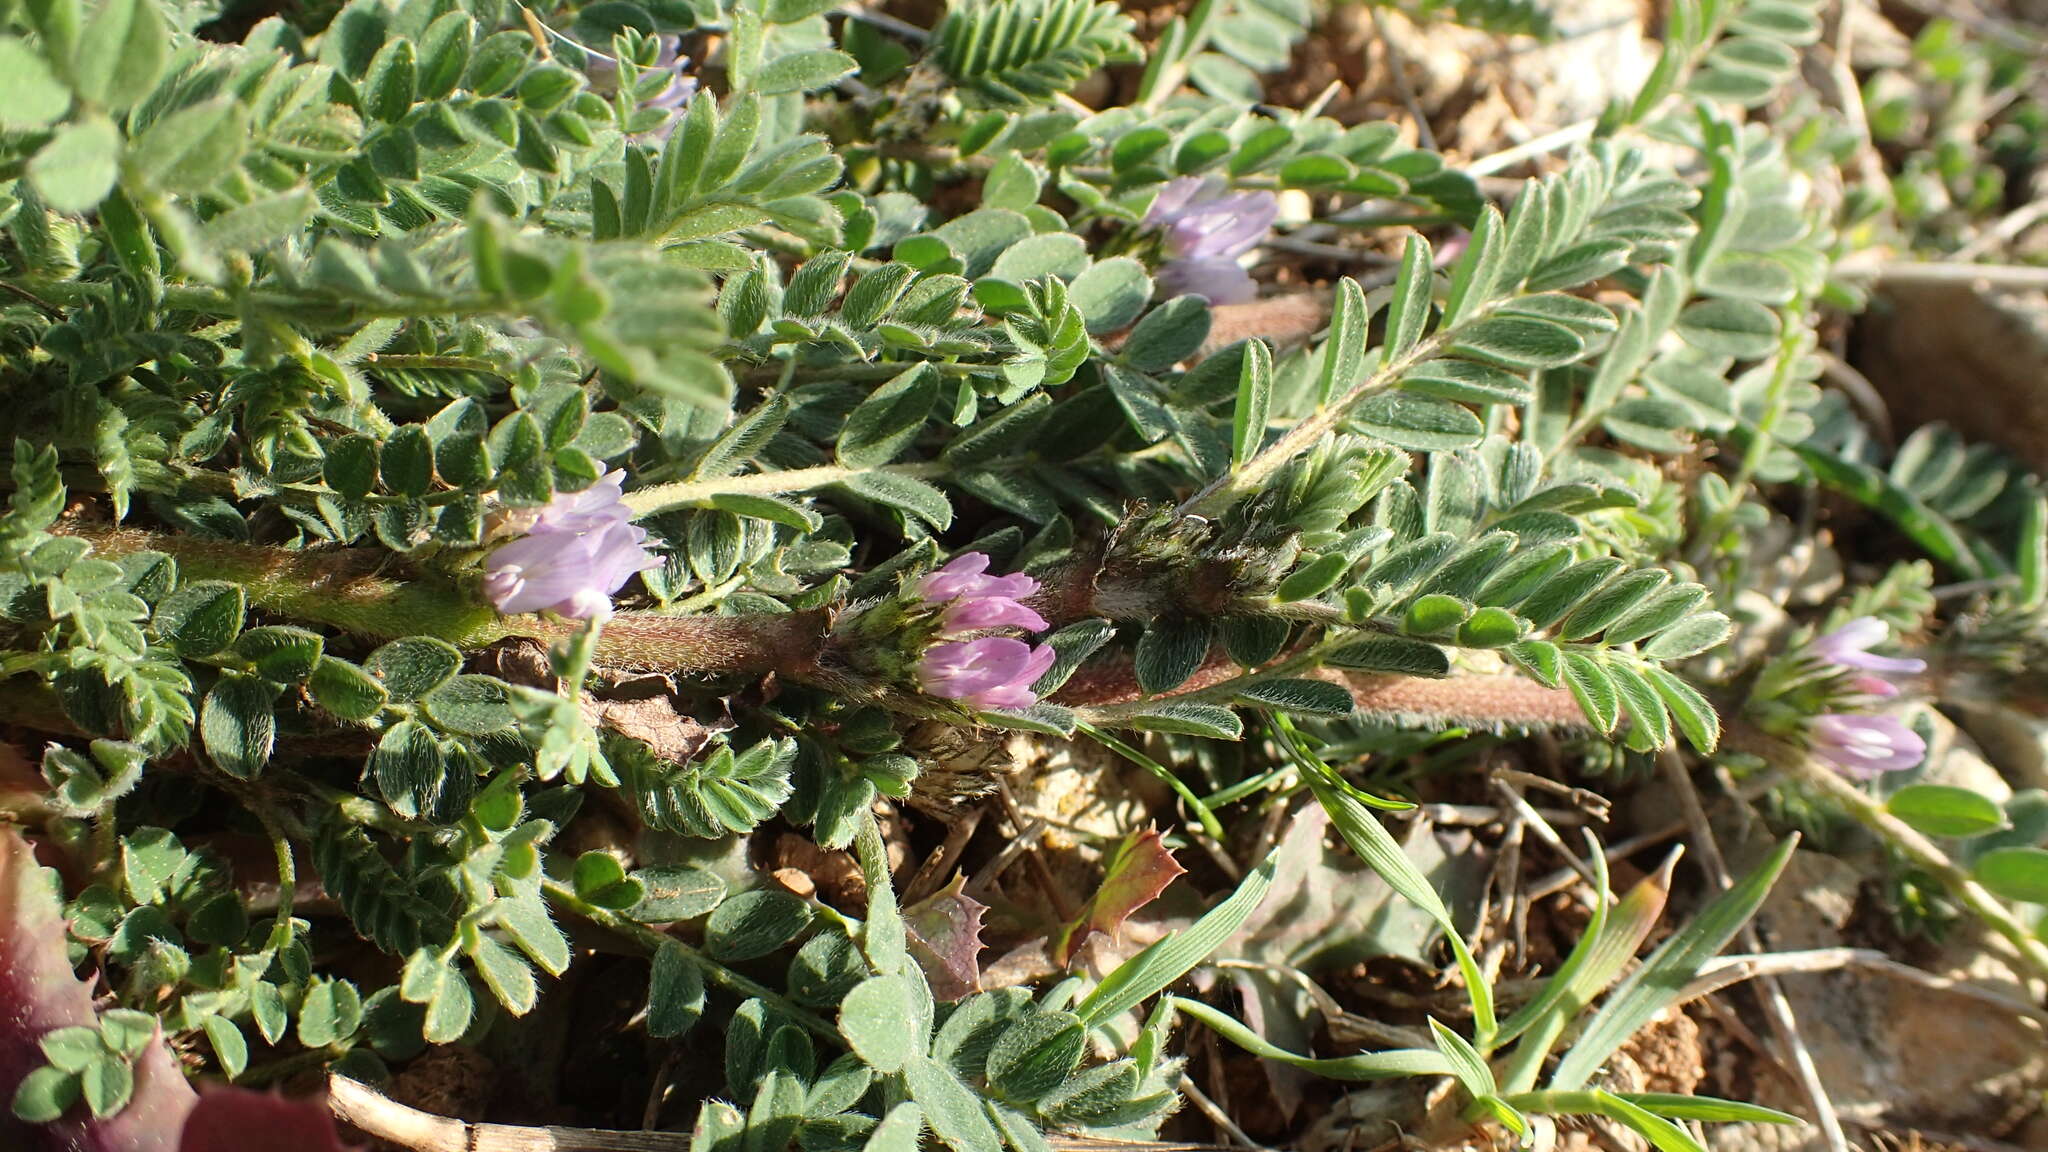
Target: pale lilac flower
point(1206, 230)
point(990, 612)
point(604, 77)
point(992, 672)
point(1849, 647)
point(582, 548)
point(1865, 747)
point(978, 601)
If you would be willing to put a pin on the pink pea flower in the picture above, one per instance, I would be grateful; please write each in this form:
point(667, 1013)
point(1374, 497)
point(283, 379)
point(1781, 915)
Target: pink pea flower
point(604, 77)
point(1865, 747)
point(1849, 647)
point(977, 601)
point(1207, 228)
point(581, 549)
point(992, 672)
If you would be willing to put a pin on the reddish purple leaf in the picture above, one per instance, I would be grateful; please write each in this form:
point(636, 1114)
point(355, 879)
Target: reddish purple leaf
point(226, 1116)
point(39, 993)
point(945, 939)
point(1138, 871)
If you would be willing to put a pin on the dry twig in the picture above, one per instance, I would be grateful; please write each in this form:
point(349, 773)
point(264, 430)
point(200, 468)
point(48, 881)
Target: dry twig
point(1776, 1007)
point(1730, 970)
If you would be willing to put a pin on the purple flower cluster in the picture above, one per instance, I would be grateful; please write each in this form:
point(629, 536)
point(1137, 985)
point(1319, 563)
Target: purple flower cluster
point(1864, 746)
point(604, 77)
point(990, 671)
point(1849, 647)
point(975, 600)
point(582, 548)
point(1207, 229)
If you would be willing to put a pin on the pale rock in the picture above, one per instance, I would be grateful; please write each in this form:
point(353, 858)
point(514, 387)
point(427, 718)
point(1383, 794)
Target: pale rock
point(1954, 758)
point(1891, 1053)
point(2014, 741)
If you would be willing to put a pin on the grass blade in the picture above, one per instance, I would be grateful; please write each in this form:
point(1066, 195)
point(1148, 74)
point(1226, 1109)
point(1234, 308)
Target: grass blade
point(1656, 985)
point(1382, 853)
point(1363, 1066)
point(1174, 956)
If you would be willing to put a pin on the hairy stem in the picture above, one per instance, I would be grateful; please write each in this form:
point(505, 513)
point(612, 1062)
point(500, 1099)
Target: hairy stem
point(287, 879)
point(345, 590)
point(339, 587)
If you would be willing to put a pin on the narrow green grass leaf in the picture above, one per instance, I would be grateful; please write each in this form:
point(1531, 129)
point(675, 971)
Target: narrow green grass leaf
point(1397, 1064)
point(1663, 976)
point(1174, 956)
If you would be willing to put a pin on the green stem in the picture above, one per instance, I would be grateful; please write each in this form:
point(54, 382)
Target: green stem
point(566, 899)
point(573, 655)
point(106, 843)
point(695, 493)
point(284, 1067)
point(1923, 852)
point(287, 879)
point(214, 302)
point(1180, 789)
point(1231, 794)
point(343, 589)
point(1776, 393)
point(883, 936)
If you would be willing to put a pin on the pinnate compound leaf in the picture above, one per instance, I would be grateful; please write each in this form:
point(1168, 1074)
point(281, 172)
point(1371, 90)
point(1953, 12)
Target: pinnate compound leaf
point(1419, 423)
point(1693, 713)
point(76, 169)
point(34, 97)
point(709, 798)
point(238, 726)
point(1399, 654)
point(675, 992)
point(1020, 52)
point(1035, 1054)
point(953, 1110)
point(876, 1020)
point(1209, 720)
point(888, 420)
point(1313, 697)
point(1170, 651)
point(753, 924)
